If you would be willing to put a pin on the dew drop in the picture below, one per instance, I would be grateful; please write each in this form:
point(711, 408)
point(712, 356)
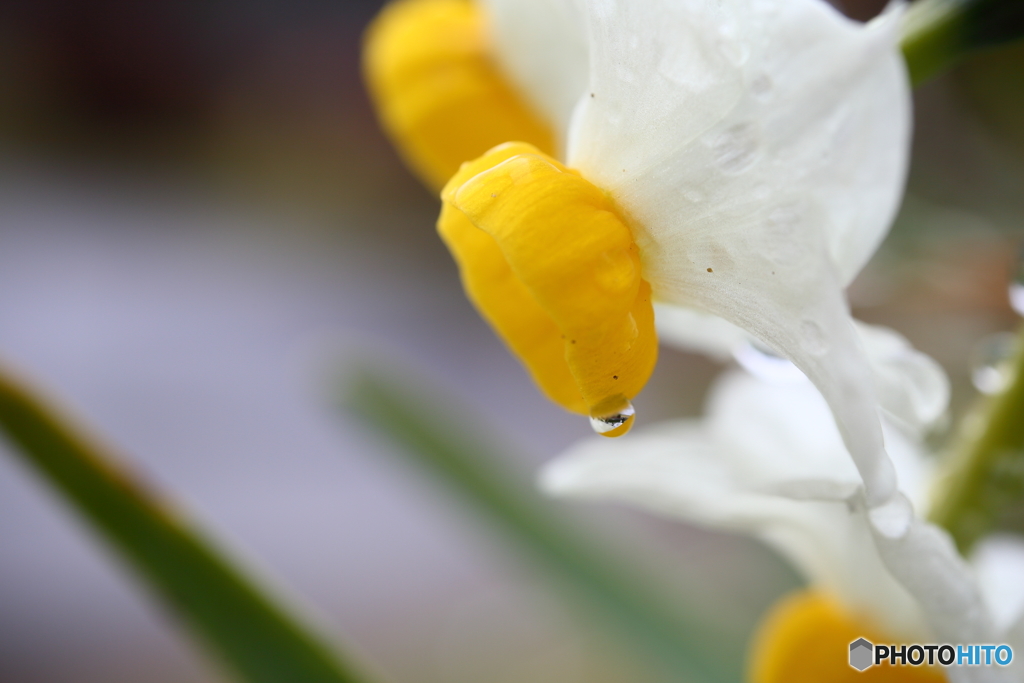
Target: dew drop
point(615, 424)
point(812, 338)
point(1017, 297)
point(991, 369)
point(763, 363)
point(1017, 286)
point(736, 149)
point(761, 85)
point(783, 230)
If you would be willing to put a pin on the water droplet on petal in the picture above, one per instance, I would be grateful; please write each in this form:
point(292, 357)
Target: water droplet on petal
point(1017, 297)
point(1017, 287)
point(763, 363)
point(736, 149)
point(991, 370)
point(615, 424)
point(761, 85)
point(784, 231)
point(812, 338)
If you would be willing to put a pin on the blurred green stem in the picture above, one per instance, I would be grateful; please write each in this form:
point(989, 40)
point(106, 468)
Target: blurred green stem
point(939, 33)
point(683, 647)
point(255, 637)
point(984, 482)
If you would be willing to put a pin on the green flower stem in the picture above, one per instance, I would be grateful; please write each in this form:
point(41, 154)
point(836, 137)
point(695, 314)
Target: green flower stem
point(983, 487)
point(683, 648)
point(939, 33)
point(253, 636)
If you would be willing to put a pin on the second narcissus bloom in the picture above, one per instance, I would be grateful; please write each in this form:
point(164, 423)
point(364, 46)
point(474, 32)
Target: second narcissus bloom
point(452, 78)
point(766, 460)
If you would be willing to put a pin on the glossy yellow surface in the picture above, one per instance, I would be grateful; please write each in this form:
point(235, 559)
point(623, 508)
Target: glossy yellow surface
point(806, 639)
point(438, 91)
point(550, 263)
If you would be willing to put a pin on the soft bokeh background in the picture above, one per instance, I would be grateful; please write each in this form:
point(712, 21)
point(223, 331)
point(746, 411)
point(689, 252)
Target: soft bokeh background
point(200, 222)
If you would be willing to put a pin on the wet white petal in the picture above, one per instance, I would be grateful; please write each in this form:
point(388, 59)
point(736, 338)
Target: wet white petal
point(911, 386)
point(784, 438)
point(542, 47)
point(678, 470)
point(759, 147)
point(779, 438)
point(923, 558)
point(819, 100)
point(768, 461)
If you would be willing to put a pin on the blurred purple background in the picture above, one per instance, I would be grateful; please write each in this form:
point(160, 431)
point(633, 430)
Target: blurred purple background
point(200, 221)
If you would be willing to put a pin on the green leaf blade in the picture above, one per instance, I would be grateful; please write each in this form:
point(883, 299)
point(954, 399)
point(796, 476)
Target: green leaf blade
point(939, 33)
point(676, 645)
point(253, 635)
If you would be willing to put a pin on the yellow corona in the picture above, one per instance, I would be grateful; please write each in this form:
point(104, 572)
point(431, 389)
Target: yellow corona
point(550, 262)
point(806, 639)
point(438, 90)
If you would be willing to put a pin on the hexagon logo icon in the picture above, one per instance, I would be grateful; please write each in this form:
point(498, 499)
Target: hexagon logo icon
point(861, 654)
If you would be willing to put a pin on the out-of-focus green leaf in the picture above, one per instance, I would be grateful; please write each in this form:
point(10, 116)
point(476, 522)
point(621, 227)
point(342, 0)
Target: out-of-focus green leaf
point(251, 633)
point(680, 646)
point(983, 486)
point(939, 33)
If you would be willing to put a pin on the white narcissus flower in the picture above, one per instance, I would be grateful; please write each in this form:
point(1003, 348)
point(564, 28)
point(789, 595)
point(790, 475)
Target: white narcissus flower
point(741, 158)
point(767, 460)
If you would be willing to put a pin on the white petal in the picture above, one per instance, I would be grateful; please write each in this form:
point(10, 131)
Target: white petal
point(779, 438)
point(787, 94)
point(691, 330)
point(998, 562)
point(923, 558)
point(911, 386)
point(541, 45)
point(782, 439)
point(746, 140)
point(678, 469)
point(656, 83)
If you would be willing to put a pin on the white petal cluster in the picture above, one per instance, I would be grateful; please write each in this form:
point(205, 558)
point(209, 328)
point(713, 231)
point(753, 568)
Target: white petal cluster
point(759, 149)
point(768, 460)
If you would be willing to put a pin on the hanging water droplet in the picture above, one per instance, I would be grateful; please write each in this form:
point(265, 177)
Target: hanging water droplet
point(1017, 286)
point(614, 424)
point(763, 363)
point(990, 362)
